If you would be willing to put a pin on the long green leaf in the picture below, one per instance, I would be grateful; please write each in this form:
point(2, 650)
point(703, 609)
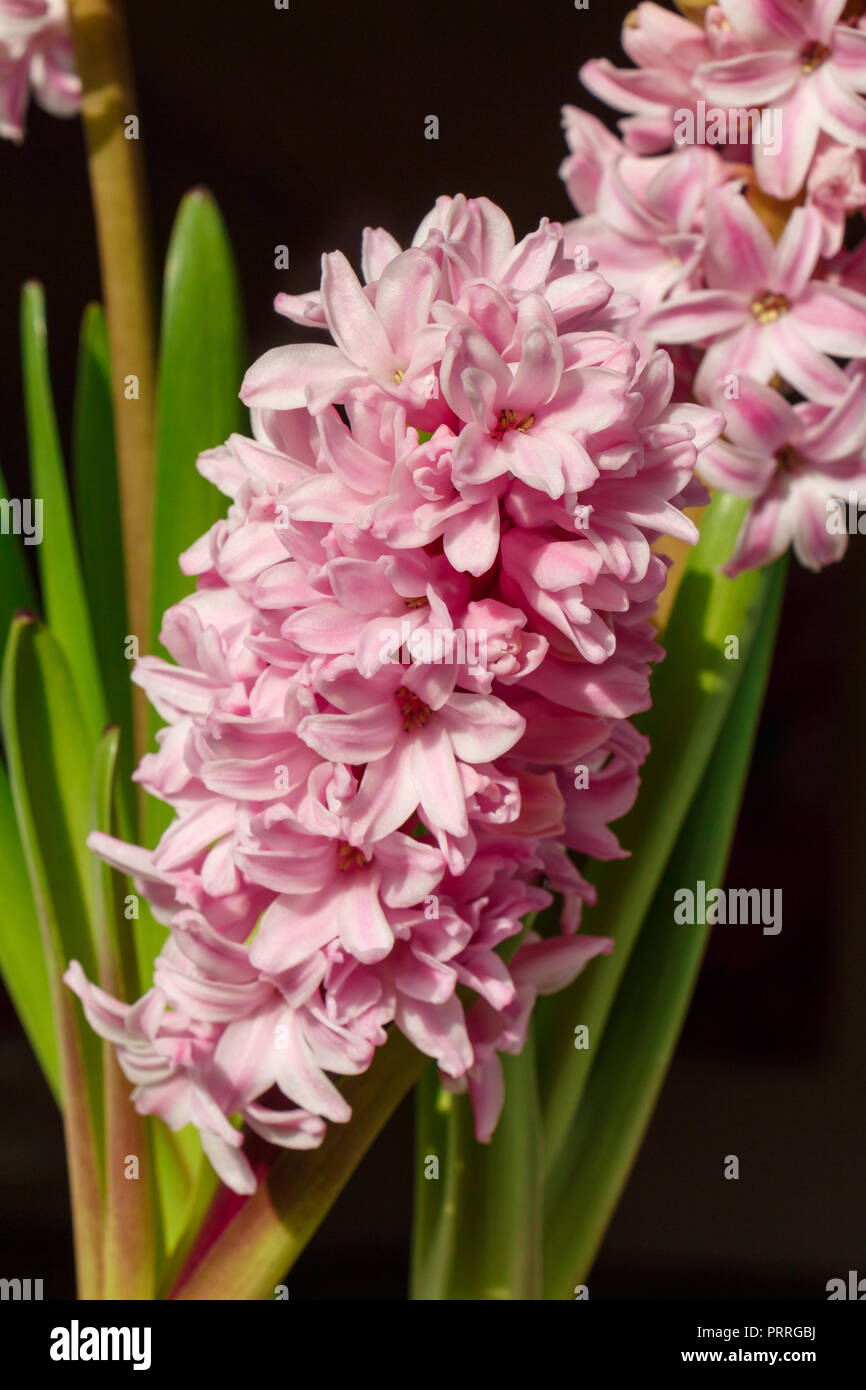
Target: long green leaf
point(22, 959)
point(201, 363)
point(479, 1234)
point(49, 775)
point(653, 999)
point(97, 511)
point(199, 1194)
point(692, 692)
point(60, 572)
point(180, 1162)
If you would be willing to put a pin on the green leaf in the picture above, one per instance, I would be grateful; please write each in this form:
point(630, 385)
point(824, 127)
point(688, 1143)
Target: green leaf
point(630, 1065)
point(97, 510)
point(432, 1227)
point(22, 960)
point(201, 364)
point(49, 775)
point(180, 1169)
point(63, 593)
point(198, 1195)
point(477, 1232)
point(691, 691)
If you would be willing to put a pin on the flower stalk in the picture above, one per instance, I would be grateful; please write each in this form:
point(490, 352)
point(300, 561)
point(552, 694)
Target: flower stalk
point(117, 181)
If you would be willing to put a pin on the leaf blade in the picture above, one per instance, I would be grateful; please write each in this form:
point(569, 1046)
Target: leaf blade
point(22, 959)
point(47, 748)
point(697, 682)
point(629, 1069)
point(200, 370)
point(60, 571)
point(97, 512)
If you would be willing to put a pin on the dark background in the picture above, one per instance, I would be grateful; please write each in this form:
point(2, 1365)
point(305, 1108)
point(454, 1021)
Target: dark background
point(308, 124)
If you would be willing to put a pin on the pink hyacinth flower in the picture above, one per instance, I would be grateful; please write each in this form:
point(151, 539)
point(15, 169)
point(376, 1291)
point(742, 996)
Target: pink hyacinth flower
point(36, 58)
point(804, 63)
point(762, 312)
point(398, 648)
point(795, 461)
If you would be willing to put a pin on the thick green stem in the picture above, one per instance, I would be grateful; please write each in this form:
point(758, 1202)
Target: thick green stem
point(478, 1214)
point(117, 181)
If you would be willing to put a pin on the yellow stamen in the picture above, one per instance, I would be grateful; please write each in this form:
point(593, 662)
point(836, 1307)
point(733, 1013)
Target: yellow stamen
point(413, 710)
point(769, 307)
point(508, 420)
point(350, 857)
point(813, 55)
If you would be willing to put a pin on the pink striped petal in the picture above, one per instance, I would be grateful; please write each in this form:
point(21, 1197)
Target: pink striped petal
point(279, 378)
point(740, 250)
point(765, 20)
point(752, 79)
point(354, 324)
point(833, 319)
point(404, 296)
point(740, 471)
point(782, 172)
point(698, 315)
point(849, 56)
point(842, 113)
point(797, 253)
point(378, 247)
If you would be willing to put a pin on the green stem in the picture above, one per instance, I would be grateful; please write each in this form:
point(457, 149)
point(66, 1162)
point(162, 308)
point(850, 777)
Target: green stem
point(435, 1198)
point(478, 1228)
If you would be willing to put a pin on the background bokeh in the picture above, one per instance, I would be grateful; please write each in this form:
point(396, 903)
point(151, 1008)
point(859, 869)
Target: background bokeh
point(308, 124)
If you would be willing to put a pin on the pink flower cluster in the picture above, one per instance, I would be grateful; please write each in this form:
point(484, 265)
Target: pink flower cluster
point(798, 57)
point(400, 694)
point(35, 56)
point(774, 335)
